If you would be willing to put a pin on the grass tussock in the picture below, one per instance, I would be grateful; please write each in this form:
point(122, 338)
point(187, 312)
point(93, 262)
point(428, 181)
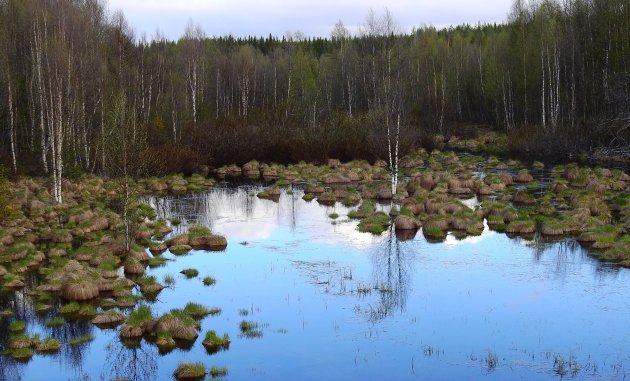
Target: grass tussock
point(190, 371)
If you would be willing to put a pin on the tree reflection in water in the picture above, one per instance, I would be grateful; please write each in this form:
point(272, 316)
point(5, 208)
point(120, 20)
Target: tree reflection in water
point(73, 355)
point(10, 369)
point(569, 255)
point(133, 363)
point(392, 266)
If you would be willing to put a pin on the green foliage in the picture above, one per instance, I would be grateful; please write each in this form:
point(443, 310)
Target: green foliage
point(5, 196)
point(218, 372)
point(250, 329)
point(138, 316)
point(17, 326)
point(376, 223)
point(198, 231)
point(213, 340)
point(190, 371)
point(198, 311)
point(169, 280)
point(70, 308)
point(190, 273)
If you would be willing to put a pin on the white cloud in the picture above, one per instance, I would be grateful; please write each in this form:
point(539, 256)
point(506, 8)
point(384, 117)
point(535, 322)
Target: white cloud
point(313, 18)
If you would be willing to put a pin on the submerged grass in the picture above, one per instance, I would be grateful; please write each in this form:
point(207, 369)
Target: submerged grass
point(218, 372)
point(190, 273)
point(250, 329)
point(198, 311)
point(78, 340)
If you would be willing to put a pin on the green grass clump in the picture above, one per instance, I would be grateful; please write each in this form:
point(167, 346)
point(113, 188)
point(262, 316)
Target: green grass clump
point(49, 345)
point(282, 183)
point(198, 311)
point(376, 223)
point(147, 280)
point(78, 340)
point(17, 326)
point(209, 281)
point(190, 371)
point(20, 353)
point(70, 308)
point(334, 216)
point(87, 310)
point(55, 322)
point(212, 340)
point(157, 262)
point(139, 315)
point(218, 372)
point(146, 211)
point(169, 280)
point(198, 231)
point(250, 329)
point(190, 273)
point(107, 265)
point(433, 232)
point(366, 208)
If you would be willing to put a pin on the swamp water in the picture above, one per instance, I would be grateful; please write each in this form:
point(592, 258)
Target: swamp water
point(332, 303)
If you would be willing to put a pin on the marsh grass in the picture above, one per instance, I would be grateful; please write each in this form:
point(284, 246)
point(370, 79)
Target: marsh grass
point(20, 354)
point(563, 367)
point(209, 281)
point(250, 329)
point(70, 308)
point(169, 280)
point(78, 340)
point(196, 231)
point(190, 273)
point(198, 311)
point(157, 262)
point(218, 372)
point(190, 371)
point(491, 360)
point(376, 223)
point(17, 326)
point(87, 311)
point(139, 315)
point(49, 345)
point(213, 342)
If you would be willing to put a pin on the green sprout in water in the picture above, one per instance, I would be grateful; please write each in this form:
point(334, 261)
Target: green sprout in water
point(190, 273)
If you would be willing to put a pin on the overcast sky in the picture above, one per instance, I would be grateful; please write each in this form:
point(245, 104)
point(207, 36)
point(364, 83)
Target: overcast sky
point(312, 17)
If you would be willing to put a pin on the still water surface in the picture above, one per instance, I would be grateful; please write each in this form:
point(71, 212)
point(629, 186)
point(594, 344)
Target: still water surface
point(337, 304)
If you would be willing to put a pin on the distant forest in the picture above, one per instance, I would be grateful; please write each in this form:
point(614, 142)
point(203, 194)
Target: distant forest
point(76, 84)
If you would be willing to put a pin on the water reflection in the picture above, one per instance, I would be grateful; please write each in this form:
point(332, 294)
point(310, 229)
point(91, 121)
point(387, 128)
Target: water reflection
point(304, 272)
point(10, 369)
point(393, 261)
point(132, 363)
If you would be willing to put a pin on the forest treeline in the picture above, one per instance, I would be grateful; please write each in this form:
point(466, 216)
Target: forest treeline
point(76, 85)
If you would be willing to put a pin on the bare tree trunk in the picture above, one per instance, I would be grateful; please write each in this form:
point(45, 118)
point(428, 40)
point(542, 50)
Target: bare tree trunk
point(37, 45)
point(543, 106)
point(58, 140)
point(11, 124)
point(217, 95)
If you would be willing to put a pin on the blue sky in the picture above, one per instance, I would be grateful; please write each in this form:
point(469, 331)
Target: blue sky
point(313, 18)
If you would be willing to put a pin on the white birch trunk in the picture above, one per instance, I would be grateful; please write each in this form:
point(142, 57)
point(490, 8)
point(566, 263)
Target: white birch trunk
point(11, 125)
